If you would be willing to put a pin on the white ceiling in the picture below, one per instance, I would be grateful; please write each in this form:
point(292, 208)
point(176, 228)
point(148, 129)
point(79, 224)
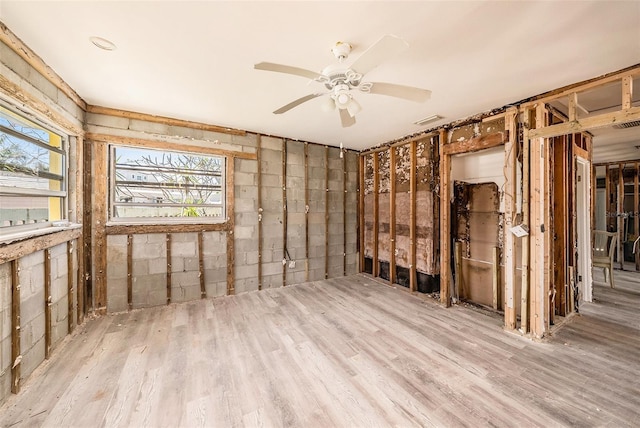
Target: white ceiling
point(194, 60)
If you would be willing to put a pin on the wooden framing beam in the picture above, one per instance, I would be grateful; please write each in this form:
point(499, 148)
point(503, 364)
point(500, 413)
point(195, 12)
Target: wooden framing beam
point(573, 107)
point(445, 223)
point(285, 213)
point(18, 249)
point(510, 209)
point(231, 222)
point(306, 211)
point(475, 144)
point(259, 201)
point(87, 226)
point(169, 272)
point(16, 356)
point(587, 123)
point(345, 176)
point(620, 219)
point(163, 120)
point(99, 218)
point(627, 92)
point(636, 210)
point(361, 225)
point(47, 303)
point(71, 296)
point(203, 287)
point(326, 212)
point(165, 145)
point(412, 216)
point(524, 286)
point(392, 215)
point(130, 271)
point(137, 229)
point(376, 210)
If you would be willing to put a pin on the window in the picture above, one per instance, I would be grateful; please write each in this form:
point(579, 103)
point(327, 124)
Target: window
point(149, 184)
point(32, 174)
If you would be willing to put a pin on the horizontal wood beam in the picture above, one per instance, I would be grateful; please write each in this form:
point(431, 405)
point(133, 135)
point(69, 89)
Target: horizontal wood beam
point(585, 124)
point(134, 229)
point(476, 143)
point(16, 250)
point(23, 51)
point(167, 145)
point(162, 119)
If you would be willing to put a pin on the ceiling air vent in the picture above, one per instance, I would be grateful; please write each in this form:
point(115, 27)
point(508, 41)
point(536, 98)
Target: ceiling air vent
point(429, 119)
point(627, 125)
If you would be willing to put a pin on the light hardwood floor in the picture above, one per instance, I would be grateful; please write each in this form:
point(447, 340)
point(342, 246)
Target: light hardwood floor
point(345, 352)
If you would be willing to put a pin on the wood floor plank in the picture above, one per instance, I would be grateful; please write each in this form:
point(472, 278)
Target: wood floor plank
point(344, 352)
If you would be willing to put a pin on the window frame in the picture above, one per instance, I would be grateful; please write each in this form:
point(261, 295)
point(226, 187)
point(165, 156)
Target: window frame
point(149, 220)
point(42, 227)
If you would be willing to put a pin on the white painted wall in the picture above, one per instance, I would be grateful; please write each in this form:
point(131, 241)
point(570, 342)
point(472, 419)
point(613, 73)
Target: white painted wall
point(481, 167)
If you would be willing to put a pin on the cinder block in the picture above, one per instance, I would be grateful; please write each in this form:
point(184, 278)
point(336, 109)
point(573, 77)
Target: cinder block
point(107, 121)
point(182, 131)
point(271, 143)
point(31, 358)
point(149, 127)
point(249, 166)
point(244, 179)
point(247, 141)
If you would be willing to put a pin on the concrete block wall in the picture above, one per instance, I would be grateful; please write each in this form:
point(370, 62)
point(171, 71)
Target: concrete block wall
point(5, 330)
point(32, 318)
point(214, 251)
point(60, 292)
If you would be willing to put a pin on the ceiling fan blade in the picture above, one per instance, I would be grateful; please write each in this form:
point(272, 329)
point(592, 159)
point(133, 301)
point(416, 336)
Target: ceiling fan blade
point(380, 51)
point(346, 118)
point(296, 103)
point(399, 91)
point(287, 69)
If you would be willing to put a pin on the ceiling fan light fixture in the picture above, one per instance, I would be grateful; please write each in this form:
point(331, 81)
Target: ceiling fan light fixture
point(341, 50)
point(328, 104)
point(353, 107)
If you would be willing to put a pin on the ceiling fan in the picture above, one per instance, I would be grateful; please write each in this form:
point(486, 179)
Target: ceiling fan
point(341, 80)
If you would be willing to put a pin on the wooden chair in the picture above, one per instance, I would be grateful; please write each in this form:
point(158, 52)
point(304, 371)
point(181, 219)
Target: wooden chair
point(604, 244)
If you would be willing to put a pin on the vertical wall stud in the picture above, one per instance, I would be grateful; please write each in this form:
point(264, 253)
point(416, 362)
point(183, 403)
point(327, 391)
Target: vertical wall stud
point(636, 208)
point(526, 170)
point(412, 216)
point(509, 215)
point(47, 303)
point(392, 215)
point(345, 176)
point(376, 211)
point(306, 211)
point(259, 184)
point(326, 212)
point(620, 219)
point(445, 224)
point(361, 209)
point(627, 92)
point(16, 356)
point(230, 198)
point(168, 241)
point(130, 270)
point(72, 307)
point(203, 288)
point(285, 214)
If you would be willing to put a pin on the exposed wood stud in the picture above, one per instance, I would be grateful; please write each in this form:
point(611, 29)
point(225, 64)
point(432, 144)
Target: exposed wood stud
point(99, 219)
point(168, 251)
point(636, 209)
point(79, 244)
point(326, 212)
point(445, 222)
point(496, 277)
point(203, 288)
point(72, 306)
point(361, 208)
point(345, 176)
point(16, 356)
point(573, 107)
point(627, 92)
point(620, 210)
point(588, 123)
point(376, 211)
point(230, 198)
point(457, 261)
point(259, 201)
point(392, 215)
point(475, 144)
point(412, 216)
point(510, 215)
point(285, 214)
point(306, 211)
point(47, 303)
point(130, 271)
point(524, 288)
point(85, 285)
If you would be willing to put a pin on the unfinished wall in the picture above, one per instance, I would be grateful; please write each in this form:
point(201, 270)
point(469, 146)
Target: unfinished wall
point(40, 301)
point(290, 202)
point(400, 233)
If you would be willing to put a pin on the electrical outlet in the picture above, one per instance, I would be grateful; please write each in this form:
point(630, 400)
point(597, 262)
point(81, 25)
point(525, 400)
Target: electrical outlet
point(292, 264)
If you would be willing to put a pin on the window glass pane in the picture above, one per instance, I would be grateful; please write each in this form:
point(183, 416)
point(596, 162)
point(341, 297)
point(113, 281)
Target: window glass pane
point(154, 183)
point(32, 172)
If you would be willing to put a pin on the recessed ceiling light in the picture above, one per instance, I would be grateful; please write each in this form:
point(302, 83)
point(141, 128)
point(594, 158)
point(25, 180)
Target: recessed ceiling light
point(104, 44)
